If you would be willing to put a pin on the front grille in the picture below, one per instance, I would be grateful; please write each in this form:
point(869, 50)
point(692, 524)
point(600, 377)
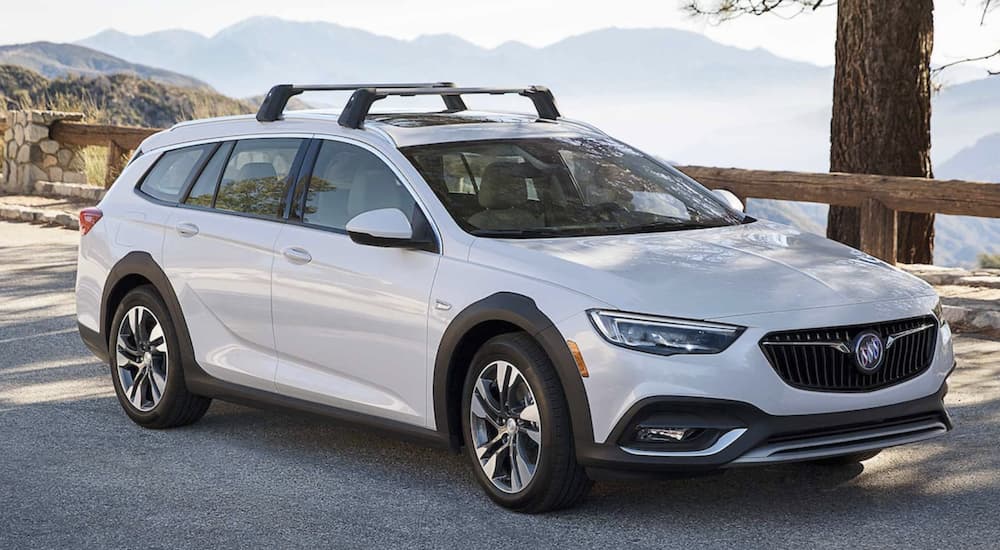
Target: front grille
point(814, 359)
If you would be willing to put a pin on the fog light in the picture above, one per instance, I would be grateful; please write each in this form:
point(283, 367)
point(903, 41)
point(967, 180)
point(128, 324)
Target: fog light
point(665, 435)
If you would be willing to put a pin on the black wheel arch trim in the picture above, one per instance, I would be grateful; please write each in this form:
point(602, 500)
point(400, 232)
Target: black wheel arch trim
point(142, 264)
point(522, 312)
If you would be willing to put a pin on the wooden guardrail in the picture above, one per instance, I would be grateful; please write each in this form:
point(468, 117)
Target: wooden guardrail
point(878, 197)
point(120, 141)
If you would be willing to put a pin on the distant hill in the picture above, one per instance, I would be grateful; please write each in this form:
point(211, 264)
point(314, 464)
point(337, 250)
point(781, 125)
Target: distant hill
point(123, 99)
point(243, 59)
point(674, 93)
point(980, 162)
point(962, 114)
point(58, 60)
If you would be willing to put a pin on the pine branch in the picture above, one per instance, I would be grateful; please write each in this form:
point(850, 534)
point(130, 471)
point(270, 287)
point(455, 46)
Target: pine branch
point(724, 10)
point(937, 70)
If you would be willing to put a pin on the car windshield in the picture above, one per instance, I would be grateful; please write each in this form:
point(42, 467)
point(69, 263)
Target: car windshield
point(543, 187)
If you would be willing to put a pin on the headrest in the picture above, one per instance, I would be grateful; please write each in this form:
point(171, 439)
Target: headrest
point(504, 185)
point(372, 189)
point(257, 171)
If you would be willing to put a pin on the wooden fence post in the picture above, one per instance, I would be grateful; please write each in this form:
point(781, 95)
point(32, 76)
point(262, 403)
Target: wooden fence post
point(116, 162)
point(878, 230)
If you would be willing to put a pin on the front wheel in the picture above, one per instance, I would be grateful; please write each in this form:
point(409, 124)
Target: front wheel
point(517, 428)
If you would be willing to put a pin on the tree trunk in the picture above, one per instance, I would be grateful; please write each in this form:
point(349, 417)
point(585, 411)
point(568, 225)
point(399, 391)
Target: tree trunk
point(882, 109)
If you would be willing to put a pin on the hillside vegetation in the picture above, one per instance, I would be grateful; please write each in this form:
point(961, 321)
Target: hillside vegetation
point(58, 60)
point(122, 99)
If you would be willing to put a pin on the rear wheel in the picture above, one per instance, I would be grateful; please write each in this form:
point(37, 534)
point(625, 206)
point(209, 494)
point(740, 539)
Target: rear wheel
point(517, 430)
point(145, 364)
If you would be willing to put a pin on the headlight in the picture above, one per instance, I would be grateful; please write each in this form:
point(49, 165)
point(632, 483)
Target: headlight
point(938, 312)
point(663, 335)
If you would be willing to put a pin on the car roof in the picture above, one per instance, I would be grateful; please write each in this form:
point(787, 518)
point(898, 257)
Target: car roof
point(399, 129)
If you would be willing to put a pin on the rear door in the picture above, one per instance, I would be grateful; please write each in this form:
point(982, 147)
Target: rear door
point(350, 320)
point(218, 252)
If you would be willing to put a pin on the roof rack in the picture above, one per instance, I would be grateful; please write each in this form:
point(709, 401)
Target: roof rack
point(354, 113)
point(277, 98)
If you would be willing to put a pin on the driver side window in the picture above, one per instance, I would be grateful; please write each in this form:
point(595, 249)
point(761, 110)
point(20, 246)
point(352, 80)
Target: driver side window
point(348, 180)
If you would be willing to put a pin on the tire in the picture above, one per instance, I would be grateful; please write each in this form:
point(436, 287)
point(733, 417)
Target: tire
point(541, 435)
point(847, 460)
point(147, 373)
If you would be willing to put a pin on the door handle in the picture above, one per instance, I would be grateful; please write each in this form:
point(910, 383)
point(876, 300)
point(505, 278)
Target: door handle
point(297, 255)
point(187, 229)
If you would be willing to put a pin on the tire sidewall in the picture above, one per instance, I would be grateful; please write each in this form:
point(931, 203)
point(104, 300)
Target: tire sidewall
point(500, 350)
point(147, 297)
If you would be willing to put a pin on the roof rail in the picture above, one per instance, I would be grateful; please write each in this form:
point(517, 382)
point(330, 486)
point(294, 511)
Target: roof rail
point(277, 98)
point(354, 113)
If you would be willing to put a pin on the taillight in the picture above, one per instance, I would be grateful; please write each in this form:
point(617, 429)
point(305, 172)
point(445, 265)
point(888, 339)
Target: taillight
point(89, 218)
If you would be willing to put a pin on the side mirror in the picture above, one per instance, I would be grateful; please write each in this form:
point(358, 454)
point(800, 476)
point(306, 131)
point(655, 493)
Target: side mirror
point(387, 227)
point(731, 200)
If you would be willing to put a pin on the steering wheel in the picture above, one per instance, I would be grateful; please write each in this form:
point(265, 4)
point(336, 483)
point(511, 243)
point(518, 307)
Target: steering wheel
point(608, 211)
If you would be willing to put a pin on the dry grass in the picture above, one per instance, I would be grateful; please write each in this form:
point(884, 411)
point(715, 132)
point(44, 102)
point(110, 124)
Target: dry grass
point(96, 159)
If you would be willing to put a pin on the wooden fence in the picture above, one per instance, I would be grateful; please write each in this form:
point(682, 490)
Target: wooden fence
point(120, 141)
point(878, 197)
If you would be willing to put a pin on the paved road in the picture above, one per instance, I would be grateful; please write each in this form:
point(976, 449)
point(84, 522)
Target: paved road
point(75, 472)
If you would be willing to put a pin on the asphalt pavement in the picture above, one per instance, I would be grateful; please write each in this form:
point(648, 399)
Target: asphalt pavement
point(75, 472)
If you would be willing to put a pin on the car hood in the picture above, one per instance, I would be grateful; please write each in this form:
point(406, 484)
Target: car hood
point(759, 267)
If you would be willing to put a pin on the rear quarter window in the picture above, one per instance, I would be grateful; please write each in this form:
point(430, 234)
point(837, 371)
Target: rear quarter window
point(168, 178)
point(254, 180)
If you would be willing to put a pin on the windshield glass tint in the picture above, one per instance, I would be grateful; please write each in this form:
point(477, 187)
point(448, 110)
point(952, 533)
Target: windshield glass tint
point(563, 186)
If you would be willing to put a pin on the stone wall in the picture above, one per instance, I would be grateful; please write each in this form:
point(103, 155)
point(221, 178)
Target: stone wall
point(29, 155)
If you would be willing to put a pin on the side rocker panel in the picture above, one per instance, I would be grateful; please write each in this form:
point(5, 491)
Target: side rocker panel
point(522, 312)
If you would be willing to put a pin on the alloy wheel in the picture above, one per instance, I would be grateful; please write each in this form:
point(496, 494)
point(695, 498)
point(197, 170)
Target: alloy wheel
point(506, 428)
point(141, 351)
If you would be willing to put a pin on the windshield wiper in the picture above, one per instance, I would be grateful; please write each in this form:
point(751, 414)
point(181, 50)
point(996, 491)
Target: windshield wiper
point(674, 225)
point(517, 233)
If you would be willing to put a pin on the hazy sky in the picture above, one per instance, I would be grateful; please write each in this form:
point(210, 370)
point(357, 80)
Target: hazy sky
point(485, 22)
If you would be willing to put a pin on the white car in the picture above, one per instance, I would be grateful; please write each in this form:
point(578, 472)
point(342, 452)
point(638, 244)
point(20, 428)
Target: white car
point(557, 303)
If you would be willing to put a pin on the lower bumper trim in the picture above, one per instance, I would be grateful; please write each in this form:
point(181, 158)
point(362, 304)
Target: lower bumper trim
point(751, 436)
point(825, 447)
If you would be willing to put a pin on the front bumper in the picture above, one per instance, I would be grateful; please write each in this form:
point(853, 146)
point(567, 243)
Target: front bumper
point(748, 435)
point(621, 378)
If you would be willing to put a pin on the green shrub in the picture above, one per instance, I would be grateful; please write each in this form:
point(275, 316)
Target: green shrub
point(989, 261)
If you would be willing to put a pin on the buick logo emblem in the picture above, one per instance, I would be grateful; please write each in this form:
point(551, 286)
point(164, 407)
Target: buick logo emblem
point(869, 351)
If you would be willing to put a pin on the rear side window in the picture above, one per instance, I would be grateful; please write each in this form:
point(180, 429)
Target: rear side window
point(203, 190)
point(254, 180)
point(167, 179)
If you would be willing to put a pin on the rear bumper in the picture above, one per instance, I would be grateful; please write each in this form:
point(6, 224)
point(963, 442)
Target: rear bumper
point(745, 435)
point(95, 343)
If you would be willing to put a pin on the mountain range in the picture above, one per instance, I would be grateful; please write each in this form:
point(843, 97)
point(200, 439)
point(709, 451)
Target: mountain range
point(674, 93)
point(246, 58)
point(57, 60)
